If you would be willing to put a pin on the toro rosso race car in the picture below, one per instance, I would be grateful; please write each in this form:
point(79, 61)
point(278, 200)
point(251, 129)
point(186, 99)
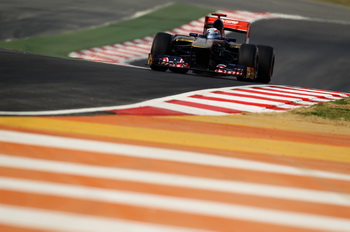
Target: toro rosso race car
point(213, 53)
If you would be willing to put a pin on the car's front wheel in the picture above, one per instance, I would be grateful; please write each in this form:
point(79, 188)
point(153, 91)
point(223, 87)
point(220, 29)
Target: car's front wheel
point(248, 56)
point(161, 45)
point(178, 70)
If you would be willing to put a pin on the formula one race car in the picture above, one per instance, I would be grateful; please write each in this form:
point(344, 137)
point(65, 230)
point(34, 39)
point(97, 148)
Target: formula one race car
point(213, 53)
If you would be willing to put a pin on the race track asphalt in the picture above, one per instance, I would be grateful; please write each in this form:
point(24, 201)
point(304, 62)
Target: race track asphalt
point(33, 82)
point(309, 54)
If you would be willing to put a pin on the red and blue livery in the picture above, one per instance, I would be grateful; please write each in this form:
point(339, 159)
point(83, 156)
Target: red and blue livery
point(214, 53)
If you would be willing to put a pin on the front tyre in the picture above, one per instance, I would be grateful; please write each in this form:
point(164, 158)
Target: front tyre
point(178, 70)
point(266, 63)
point(161, 45)
point(248, 56)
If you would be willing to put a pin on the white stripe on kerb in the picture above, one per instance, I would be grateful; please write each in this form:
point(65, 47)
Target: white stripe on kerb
point(161, 154)
point(200, 207)
point(290, 193)
point(296, 91)
point(59, 221)
point(247, 99)
point(272, 91)
point(228, 105)
point(187, 109)
point(269, 96)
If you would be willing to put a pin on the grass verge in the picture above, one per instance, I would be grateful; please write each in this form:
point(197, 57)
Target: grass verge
point(331, 117)
point(337, 2)
point(335, 114)
point(334, 111)
point(60, 45)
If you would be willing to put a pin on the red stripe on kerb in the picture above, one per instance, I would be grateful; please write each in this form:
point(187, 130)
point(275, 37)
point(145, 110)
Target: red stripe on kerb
point(233, 101)
point(147, 110)
point(279, 95)
point(206, 107)
point(80, 53)
point(105, 54)
point(339, 94)
point(288, 102)
point(291, 92)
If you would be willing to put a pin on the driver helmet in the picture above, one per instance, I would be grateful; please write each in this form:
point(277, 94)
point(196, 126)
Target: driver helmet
point(212, 33)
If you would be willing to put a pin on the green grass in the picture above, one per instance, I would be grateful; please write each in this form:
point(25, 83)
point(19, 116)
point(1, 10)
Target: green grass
point(60, 45)
point(336, 110)
point(338, 2)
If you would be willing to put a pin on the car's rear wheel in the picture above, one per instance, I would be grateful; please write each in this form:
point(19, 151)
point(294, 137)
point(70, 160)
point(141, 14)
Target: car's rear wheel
point(161, 45)
point(248, 56)
point(266, 63)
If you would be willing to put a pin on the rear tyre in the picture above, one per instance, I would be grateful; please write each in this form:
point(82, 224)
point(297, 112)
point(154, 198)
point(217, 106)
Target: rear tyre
point(248, 56)
point(161, 45)
point(266, 63)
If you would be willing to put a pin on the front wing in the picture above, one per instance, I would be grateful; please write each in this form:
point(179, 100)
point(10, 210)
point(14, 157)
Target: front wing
point(226, 69)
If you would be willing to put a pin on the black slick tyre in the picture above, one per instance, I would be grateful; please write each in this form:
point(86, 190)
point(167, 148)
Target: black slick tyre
point(266, 63)
point(178, 70)
point(161, 45)
point(248, 56)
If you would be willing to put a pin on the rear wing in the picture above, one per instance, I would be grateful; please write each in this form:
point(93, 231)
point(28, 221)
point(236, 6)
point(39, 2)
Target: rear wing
point(229, 25)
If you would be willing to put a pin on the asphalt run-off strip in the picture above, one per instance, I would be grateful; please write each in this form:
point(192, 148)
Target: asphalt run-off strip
point(215, 102)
